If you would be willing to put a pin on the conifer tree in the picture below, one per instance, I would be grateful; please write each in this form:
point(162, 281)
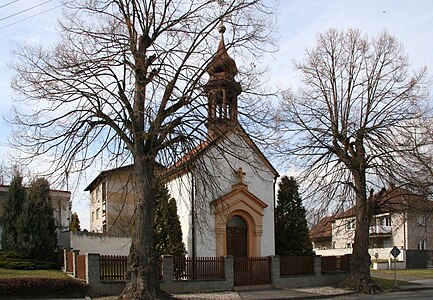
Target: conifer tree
point(291, 229)
point(13, 206)
point(74, 224)
point(168, 231)
point(37, 236)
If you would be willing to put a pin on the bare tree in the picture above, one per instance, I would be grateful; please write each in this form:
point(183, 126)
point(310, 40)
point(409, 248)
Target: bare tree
point(345, 127)
point(125, 83)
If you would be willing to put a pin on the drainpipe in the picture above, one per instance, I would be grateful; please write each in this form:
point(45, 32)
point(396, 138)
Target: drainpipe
point(275, 205)
point(193, 239)
point(404, 231)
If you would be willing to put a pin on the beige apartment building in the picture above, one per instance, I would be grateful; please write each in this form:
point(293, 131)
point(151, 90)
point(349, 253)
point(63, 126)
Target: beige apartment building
point(115, 215)
point(401, 219)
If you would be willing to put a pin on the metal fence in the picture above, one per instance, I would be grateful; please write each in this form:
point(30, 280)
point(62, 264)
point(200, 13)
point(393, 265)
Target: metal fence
point(336, 263)
point(113, 267)
point(252, 270)
point(296, 265)
point(198, 268)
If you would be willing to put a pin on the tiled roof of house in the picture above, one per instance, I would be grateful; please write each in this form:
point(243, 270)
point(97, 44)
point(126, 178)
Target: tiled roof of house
point(322, 231)
point(5, 187)
point(392, 200)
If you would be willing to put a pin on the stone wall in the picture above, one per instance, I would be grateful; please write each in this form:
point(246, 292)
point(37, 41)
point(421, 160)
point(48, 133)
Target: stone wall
point(98, 287)
point(101, 243)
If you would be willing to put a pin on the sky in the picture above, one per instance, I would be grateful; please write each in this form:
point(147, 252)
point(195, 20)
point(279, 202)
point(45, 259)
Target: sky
point(298, 23)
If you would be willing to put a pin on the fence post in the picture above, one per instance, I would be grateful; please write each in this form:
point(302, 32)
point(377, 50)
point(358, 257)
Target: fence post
point(75, 254)
point(93, 274)
point(275, 270)
point(338, 263)
point(65, 260)
point(318, 265)
point(167, 268)
point(229, 271)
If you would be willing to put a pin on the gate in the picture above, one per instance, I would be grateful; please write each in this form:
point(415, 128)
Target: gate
point(252, 270)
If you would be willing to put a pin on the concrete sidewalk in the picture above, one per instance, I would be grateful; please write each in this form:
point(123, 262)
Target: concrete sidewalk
point(301, 293)
point(270, 293)
point(294, 293)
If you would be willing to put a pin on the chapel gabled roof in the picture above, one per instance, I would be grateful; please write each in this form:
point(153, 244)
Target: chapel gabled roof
point(187, 161)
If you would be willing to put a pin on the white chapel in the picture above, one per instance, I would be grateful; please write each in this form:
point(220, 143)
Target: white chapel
point(224, 188)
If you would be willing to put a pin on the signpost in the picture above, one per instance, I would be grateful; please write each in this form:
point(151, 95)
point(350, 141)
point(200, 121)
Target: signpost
point(395, 252)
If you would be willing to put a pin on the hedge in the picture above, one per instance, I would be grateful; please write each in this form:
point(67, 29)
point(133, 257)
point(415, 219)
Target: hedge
point(42, 287)
point(11, 261)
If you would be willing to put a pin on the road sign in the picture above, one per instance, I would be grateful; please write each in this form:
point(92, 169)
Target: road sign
point(395, 251)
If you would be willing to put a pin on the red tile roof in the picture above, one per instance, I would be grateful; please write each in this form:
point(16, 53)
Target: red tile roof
point(322, 231)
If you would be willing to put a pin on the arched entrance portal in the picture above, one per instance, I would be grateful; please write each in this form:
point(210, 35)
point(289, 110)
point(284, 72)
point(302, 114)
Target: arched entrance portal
point(238, 223)
point(237, 237)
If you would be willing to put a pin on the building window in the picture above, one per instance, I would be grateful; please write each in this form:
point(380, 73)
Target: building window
point(98, 194)
point(387, 244)
point(422, 244)
point(421, 221)
point(385, 221)
point(98, 213)
point(350, 225)
point(93, 216)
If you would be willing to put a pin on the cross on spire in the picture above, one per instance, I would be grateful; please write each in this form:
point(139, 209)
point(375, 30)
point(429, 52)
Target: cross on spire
point(222, 29)
point(240, 176)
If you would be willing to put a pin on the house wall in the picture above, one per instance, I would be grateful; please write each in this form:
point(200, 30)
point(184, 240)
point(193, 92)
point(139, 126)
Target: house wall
point(407, 231)
point(383, 253)
point(419, 230)
point(114, 215)
point(95, 204)
point(88, 242)
point(322, 245)
point(341, 235)
point(399, 230)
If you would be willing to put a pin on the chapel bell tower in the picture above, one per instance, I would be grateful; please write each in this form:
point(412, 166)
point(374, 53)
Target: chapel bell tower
point(222, 90)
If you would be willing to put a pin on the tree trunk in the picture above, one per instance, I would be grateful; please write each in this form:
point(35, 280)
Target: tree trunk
point(142, 278)
point(359, 278)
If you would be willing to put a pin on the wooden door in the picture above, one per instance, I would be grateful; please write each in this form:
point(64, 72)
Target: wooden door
point(237, 237)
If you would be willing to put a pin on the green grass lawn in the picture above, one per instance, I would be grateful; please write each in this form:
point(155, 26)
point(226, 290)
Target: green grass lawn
point(9, 273)
point(418, 273)
point(387, 283)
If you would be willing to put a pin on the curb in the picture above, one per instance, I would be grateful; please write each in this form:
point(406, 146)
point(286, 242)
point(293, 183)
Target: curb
point(410, 289)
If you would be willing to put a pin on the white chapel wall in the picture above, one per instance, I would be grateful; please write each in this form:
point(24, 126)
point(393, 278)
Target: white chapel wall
point(258, 178)
point(180, 189)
